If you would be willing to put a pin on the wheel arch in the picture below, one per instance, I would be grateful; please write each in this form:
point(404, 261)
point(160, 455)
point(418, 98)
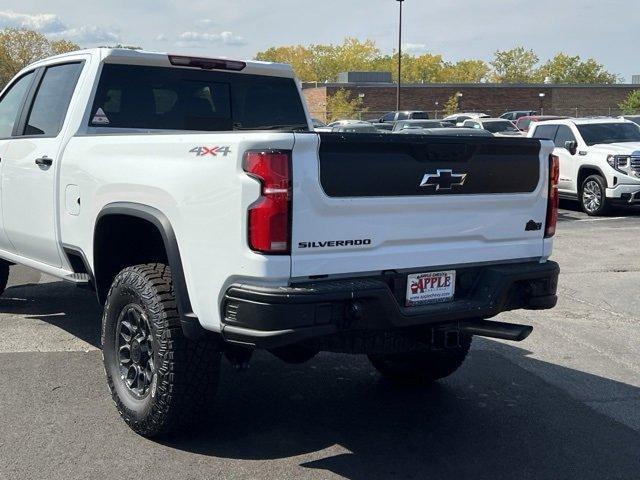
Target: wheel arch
point(163, 247)
point(587, 170)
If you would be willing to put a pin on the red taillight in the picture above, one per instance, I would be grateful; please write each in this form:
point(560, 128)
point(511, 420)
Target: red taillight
point(552, 203)
point(269, 216)
point(207, 63)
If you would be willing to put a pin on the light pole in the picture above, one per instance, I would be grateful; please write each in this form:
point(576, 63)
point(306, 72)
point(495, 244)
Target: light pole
point(399, 56)
point(437, 103)
point(459, 102)
point(542, 95)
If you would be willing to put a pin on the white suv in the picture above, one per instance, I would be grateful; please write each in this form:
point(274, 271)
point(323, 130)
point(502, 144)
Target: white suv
point(599, 160)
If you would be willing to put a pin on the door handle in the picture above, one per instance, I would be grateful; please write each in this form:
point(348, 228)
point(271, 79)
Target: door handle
point(44, 161)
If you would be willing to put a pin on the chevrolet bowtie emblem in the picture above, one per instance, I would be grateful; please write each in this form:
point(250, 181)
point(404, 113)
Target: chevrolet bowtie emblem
point(443, 180)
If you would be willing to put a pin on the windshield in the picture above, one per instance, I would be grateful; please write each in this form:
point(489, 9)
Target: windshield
point(596, 133)
point(422, 124)
point(499, 127)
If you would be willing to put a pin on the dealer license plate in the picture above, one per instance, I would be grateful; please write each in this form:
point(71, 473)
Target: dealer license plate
point(431, 287)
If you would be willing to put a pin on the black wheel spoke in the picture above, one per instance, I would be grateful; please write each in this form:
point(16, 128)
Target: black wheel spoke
point(124, 354)
point(135, 350)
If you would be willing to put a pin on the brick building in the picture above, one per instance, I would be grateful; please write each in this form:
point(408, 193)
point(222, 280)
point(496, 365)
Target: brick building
point(494, 99)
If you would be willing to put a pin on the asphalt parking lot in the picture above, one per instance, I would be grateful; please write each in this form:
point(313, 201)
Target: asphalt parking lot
point(563, 404)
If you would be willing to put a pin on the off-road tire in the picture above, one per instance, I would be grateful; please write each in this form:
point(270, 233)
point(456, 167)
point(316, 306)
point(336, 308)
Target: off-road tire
point(186, 374)
point(594, 186)
point(421, 367)
point(4, 275)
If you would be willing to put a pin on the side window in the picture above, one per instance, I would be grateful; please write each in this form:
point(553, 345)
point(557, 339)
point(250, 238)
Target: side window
point(389, 117)
point(563, 135)
point(11, 104)
point(52, 100)
point(545, 132)
point(403, 116)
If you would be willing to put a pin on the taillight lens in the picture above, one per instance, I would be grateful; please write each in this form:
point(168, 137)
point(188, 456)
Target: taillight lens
point(552, 203)
point(269, 216)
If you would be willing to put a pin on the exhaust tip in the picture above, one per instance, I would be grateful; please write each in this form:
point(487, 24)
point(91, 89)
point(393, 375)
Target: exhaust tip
point(501, 330)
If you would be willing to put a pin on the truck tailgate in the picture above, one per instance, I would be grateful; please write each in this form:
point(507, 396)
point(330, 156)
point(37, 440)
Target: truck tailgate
point(367, 203)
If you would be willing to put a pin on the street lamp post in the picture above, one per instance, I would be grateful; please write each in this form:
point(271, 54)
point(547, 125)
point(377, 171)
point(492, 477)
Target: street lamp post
point(542, 95)
point(399, 57)
point(459, 102)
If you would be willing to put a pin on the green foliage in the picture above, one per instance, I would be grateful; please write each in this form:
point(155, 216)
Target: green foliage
point(320, 63)
point(451, 106)
point(515, 66)
point(571, 69)
point(631, 104)
point(20, 47)
point(341, 105)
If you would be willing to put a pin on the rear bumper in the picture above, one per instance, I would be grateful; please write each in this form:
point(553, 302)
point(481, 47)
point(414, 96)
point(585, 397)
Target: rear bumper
point(274, 317)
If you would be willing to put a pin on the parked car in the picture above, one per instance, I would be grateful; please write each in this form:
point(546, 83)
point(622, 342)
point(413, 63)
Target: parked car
point(459, 118)
point(516, 114)
point(523, 123)
point(355, 128)
point(384, 127)
point(633, 118)
point(498, 126)
point(219, 223)
point(457, 132)
point(317, 123)
point(599, 160)
point(409, 124)
point(340, 123)
point(403, 115)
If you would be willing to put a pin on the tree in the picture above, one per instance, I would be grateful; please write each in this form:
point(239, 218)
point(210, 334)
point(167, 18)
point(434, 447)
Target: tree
point(20, 47)
point(341, 106)
point(571, 69)
point(63, 46)
point(466, 71)
point(631, 104)
point(451, 106)
point(514, 66)
point(319, 63)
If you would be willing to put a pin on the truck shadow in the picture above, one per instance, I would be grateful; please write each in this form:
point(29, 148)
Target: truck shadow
point(570, 211)
point(493, 419)
point(57, 303)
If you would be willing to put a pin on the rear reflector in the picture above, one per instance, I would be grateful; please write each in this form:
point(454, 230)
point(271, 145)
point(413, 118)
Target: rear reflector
point(552, 203)
point(206, 63)
point(269, 216)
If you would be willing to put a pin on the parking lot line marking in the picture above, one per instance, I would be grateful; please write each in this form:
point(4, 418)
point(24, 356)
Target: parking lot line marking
point(604, 219)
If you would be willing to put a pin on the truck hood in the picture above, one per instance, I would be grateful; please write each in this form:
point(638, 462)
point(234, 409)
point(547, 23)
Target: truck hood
point(617, 148)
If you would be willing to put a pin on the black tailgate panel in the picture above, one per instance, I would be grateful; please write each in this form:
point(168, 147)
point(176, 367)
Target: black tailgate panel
point(372, 165)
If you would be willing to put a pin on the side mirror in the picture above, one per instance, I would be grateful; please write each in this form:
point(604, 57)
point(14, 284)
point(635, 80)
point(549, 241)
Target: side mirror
point(572, 146)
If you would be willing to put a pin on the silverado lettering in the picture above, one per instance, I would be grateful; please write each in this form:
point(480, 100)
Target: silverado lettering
point(335, 243)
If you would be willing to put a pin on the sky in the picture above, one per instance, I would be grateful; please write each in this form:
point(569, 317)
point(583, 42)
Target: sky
point(457, 29)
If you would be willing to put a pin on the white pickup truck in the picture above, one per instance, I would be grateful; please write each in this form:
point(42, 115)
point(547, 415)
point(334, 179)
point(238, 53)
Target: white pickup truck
point(599, 160)
point(194, 197)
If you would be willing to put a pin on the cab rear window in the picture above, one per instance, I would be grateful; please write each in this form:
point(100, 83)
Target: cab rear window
point(163, 98)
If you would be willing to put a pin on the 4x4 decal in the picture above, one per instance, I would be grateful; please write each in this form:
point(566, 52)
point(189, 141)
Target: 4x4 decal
point(202, 151)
